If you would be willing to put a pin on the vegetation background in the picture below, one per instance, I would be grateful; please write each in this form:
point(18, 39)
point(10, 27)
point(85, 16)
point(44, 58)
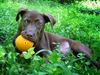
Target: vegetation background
point(70, 22)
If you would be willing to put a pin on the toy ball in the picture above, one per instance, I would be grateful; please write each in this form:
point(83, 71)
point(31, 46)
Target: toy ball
point(22, 44)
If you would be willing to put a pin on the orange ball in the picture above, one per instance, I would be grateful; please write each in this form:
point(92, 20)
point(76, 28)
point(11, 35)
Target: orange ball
point(23, 44)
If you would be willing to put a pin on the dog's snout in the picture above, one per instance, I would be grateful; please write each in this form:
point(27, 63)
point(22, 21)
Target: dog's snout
point(29, 34)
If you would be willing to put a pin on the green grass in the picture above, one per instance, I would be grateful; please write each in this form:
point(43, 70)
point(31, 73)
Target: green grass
point(69, 23)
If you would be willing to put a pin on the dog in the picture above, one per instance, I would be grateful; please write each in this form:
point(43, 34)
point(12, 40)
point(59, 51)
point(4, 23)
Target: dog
point(32, 28)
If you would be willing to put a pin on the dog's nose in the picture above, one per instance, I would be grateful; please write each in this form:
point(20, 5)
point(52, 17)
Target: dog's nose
point(29, 34)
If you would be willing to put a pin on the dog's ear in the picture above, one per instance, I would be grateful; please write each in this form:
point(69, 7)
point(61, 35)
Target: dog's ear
point(49, 18)
point(21, 12)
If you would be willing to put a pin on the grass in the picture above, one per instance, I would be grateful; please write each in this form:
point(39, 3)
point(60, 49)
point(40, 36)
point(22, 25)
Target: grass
point(69, 23)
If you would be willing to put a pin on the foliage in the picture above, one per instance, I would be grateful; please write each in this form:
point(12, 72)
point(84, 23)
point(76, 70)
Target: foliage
point(69, 23)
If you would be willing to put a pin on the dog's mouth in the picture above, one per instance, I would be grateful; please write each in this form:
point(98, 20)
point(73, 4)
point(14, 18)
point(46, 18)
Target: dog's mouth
point(28, 38)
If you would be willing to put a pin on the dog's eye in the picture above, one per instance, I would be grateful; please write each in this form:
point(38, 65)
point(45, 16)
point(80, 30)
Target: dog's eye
point(27, 21)
point(37, 20)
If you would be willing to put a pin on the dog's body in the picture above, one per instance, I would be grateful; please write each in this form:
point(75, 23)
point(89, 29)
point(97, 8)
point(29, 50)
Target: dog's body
point(32, 27)
point(50, 41)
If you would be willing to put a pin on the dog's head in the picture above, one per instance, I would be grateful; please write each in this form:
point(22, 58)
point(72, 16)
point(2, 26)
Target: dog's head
point(33, 23)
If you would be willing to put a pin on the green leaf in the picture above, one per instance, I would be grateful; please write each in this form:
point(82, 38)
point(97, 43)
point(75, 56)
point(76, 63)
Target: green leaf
point(27, 55)
point(30, 49)
point(37, 58)
point(54, 57)
point(75, 74)
point(42, 73)
point(2, 52)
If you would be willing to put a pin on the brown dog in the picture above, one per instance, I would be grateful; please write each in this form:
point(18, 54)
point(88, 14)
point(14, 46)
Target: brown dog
point(32, 27)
